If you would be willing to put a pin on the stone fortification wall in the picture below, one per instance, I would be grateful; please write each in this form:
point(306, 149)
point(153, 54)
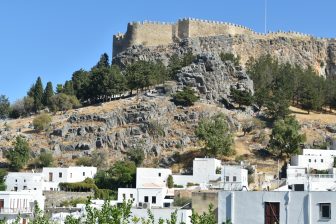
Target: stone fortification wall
point(144, 33)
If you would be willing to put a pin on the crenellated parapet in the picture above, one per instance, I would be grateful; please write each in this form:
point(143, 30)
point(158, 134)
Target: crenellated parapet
point(153, 33)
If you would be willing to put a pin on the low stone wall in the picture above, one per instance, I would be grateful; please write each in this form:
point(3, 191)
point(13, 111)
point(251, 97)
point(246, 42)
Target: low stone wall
point(54, 198)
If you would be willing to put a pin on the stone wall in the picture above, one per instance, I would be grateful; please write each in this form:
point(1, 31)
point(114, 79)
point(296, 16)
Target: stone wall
point(54, 198)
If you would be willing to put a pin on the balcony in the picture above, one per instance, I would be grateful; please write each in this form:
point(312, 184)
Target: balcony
point(16, 211)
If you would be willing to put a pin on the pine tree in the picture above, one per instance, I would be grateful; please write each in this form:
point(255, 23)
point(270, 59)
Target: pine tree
point(103, 62)
point(38, 95)
point(68, 88)
point(48, 93)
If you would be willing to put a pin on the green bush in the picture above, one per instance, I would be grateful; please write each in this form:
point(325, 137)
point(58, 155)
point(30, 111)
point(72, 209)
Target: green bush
point(230, 57)
point(19, 156)
point(74, 202)
point(170, 181)
point(45, 159)
point(187, 97)
point(181, 201)
point(42, 122)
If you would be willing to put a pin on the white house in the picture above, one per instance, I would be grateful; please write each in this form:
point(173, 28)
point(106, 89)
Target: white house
point(48, 179)
point(299, 179)
point(54, 175)
point(210, 173)
point(318, 159)
point(149, 177)
point(151, 189)
point(234, 178)
point(269, 207)
point(20, 203)
point(204, 171)
point(16, 181)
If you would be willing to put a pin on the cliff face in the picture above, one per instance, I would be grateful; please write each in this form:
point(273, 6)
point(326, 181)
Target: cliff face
point(320, 54)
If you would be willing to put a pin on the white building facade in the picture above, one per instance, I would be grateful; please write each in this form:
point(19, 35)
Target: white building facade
point(48, 179)
point(318, 159)
point(269, 207)
point(20, 203)
point(205, 170)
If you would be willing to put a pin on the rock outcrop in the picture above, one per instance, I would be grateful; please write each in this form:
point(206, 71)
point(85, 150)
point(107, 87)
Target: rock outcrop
point(213, 78)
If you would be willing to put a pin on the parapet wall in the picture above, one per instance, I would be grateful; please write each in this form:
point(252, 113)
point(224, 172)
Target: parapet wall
point(156, 33)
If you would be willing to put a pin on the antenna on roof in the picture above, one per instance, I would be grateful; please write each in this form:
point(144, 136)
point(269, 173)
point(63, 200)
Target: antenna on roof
point(265, 12)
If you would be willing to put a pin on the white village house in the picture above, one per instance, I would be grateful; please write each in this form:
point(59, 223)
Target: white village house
point(20, 203)
point(270, 207)
point(300, 176)
point(210, 173)
point(49, 178)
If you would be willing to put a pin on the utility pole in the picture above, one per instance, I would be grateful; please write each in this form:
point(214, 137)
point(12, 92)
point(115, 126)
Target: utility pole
point(265, 14)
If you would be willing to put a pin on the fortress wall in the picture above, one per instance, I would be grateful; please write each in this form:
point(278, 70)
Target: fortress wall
point(151, 34)
point(143, 33)
point(182, 28)
point(204, 28)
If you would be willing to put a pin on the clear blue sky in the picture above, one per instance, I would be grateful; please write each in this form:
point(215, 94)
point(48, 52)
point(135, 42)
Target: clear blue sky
point(52, 39)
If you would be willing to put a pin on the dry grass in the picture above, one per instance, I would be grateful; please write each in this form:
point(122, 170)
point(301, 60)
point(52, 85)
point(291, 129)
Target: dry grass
point(302, 116)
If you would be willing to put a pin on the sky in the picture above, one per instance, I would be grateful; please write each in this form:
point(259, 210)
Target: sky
point(54, 38)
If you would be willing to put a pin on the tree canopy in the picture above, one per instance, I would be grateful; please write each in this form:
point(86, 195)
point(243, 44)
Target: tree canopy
point(216, 134)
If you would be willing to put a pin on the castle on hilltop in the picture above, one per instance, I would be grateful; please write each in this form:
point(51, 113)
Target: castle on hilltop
point(159, 33)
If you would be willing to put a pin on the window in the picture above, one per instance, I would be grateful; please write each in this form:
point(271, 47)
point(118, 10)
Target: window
point(24, 187)
point(234, 178)
point(325, 212)
point(70, 175)
point(15, 180)
point(227, 178)
point(321, 160)
point(159, 174)
point(131, 196)
point(60, 175)
point(15, 188)
point(153, 199)
point(315, 161)
point(309, 160)
point(24, 180)
point(146, 199)
point(34, 188)
point(83, 174)
point(124, 196)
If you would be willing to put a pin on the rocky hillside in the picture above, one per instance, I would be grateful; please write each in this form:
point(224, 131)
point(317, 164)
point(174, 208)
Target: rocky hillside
point(303, 51)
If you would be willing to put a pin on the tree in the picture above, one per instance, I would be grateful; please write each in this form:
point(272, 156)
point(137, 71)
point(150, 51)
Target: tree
point(3, 174)
point(103, 62)
point(81, 83)
point(187, 97)
point(205, 218)
point(68, 88)
point(19, 156)
point(242, 97)
point(286, 137)
point(48, 93)
point(17, 109)
point(170, 181)
point(230, 57)
point(45, 159)
point(38, 94)
point(39, 217)
point(137, 155)
point(59, 88)
point(63, 102)
point(216, 135)
point(42, 122)
point(121, 174)
point(4, 106)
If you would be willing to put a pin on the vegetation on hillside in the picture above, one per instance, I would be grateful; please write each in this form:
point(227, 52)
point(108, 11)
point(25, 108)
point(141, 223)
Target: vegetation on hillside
point(216, 135)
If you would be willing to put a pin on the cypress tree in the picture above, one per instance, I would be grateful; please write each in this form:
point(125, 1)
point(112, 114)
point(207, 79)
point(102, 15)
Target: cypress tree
point(68, 88)
point(48, 93)
point(38, 94)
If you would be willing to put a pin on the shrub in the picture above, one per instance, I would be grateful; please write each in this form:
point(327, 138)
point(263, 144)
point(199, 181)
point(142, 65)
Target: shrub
point(192, 184)
point(187, 97)
point(155, 129)
point(74, 202)
point(19, 156)
point(42, 122)
point(137, 155)
point(84, 161)
point(178, 186)
point(170, 181)
point(230, 57)
point(181, 201)
point(45, 159)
